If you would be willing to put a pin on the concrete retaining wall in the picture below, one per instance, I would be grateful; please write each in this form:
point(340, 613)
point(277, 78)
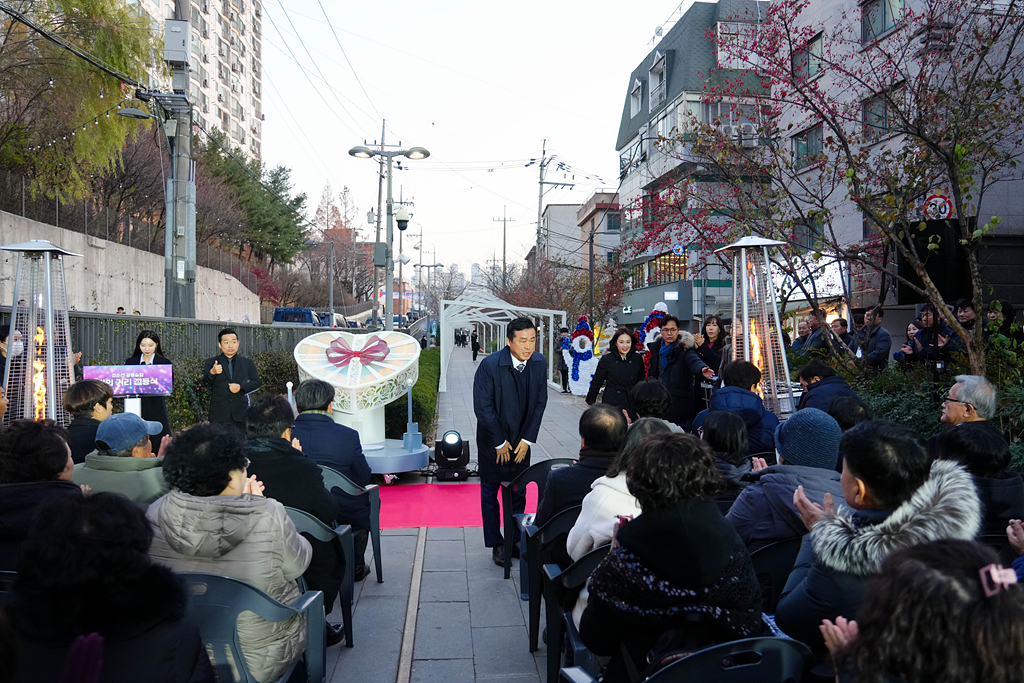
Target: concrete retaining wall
point(108, 275)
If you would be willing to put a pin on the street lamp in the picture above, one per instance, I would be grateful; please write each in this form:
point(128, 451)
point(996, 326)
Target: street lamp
point(361, 152)
point(313, 243)
point(426, 307)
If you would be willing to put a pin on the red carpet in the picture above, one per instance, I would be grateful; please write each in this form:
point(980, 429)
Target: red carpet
point(437, 505)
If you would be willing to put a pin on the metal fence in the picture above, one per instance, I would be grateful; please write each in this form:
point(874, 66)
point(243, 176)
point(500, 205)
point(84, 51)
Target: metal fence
point(107, 340)
point(88, 217)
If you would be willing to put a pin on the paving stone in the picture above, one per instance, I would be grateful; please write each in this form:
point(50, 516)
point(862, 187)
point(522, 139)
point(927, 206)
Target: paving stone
point(445, 556)
point(377, 631)
point(444, 534)
point(444, 587)
point(501, 652)
point(493, 601)
point(442, 671)
point(443, 631)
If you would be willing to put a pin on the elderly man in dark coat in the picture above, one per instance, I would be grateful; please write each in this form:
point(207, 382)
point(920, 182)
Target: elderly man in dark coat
point(509, 396)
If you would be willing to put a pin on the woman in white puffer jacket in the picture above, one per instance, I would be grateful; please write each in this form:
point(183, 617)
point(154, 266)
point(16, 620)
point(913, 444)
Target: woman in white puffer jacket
point(609, 497)
point(215, 520)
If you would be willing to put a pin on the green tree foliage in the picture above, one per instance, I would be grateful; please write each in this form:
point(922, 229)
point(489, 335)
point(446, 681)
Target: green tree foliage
point(53, 123)
point(272, 225)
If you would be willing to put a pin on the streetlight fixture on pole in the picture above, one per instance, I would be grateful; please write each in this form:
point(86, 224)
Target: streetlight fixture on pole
point(313, 243)
point(362, 152)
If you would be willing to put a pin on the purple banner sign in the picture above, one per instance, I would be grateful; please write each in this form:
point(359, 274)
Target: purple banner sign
point(133, 380)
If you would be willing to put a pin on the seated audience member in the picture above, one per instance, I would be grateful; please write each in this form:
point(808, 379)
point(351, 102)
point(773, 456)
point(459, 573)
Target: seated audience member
point(807, 449)
point(942, 612)
point(899, 498)
point(821, 386)
point(602, 433)
point(842, 330)
point(848, 411)
point(971, 399)
point(123, 461)
point(35, 467)
point(90, 402)
point(986, 455)
point(216, 520)
point(295, 481)
point(650, 398)
point(85, 568)
point(679, 565)
point(739, 381)
point(726, 433)
point(609, 497)
point(336, 446)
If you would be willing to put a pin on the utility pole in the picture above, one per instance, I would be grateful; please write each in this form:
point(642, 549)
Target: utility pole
point(504, 246)
point(593, 322)
point(380, 200)
point(542, 239)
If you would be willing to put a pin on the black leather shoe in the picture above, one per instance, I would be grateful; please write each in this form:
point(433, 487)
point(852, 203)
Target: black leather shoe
point(335, 634)
point(498, 555)
point(361, 572)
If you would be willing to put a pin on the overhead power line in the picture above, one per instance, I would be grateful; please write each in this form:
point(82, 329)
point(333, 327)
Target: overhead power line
point(345, 54)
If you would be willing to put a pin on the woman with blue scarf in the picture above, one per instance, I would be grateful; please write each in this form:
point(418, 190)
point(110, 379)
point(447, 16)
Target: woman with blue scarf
point(676, 364)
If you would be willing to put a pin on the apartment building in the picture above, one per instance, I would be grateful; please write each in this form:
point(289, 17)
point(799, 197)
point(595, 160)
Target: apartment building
point(226, 53)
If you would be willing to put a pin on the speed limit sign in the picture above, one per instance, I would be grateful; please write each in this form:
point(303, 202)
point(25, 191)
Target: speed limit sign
point(938, 207)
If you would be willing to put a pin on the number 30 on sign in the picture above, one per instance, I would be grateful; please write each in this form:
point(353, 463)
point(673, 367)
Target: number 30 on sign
point(938, 207)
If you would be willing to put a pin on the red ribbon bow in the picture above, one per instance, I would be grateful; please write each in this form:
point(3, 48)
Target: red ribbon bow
point(339, 353)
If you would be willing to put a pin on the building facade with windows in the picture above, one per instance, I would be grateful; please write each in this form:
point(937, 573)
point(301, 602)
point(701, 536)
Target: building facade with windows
point(225, 60)
point(560, 234)
point(666, 95)
point(600, 217)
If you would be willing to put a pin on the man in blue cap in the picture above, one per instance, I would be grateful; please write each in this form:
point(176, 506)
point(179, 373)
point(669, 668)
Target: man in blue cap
point(123, 461)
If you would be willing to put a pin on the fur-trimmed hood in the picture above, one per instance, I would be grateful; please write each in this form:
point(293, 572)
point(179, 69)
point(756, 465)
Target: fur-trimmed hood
point(945, 507)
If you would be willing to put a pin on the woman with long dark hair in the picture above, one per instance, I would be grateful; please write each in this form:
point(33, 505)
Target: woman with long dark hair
point(149, 352)
point(619, 369)
point(711, 341)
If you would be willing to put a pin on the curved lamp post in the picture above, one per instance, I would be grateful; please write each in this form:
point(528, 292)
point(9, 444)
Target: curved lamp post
point(361, 152)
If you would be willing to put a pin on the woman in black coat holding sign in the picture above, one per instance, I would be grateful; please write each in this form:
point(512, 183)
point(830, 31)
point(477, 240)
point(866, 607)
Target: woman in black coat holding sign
point(148, 352)
point(619, 369)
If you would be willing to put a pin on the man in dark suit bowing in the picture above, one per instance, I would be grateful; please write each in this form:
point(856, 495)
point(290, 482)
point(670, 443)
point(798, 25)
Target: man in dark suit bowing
point(509, 396)
point(231, 378)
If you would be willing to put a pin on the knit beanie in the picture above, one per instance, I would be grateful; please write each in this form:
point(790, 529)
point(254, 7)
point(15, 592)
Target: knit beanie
point(810, 437)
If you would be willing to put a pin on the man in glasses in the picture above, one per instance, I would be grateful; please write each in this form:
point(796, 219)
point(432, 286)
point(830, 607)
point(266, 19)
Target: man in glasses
point(971, 399)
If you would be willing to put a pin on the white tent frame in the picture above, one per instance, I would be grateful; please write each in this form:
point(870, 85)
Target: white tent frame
point(490, 316)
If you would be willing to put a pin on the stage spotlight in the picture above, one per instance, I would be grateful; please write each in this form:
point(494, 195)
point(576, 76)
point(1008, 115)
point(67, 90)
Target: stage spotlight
point(451, 454)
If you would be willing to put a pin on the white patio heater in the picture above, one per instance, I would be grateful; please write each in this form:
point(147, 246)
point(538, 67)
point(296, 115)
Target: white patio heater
point(756, 330)
point(37, 378)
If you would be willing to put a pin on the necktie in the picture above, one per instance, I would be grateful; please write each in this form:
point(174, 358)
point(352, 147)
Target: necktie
point(231, 368)
point(521, 367)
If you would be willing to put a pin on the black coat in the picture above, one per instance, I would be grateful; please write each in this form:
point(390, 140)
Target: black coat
point(820, 394)
point(711, 354)
point(568, 486)
point(499, 414)
point(223, 404)
point(147, 636)
point(337, 446)
point(154, 407)
point(295, 481)
point(1002, 499)
point(18, 505)
point(680, 376)
point(619, 375)
point(83, 437)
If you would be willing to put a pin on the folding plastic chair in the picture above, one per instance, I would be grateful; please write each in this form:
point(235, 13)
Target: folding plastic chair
point(335, 479)
point(537, 474)
point(561, 590)
point(536, 540)
point(765, 660)
point(306, 523)
point(773, 564)
point(7, 578)
point(214, 605)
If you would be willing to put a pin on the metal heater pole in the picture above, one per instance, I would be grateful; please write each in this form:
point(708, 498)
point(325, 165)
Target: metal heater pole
point(778, 330)
point(51, 411)
point(742, 272)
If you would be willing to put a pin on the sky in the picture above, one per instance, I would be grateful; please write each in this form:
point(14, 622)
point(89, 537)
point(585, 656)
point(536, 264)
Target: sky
point(479, 84)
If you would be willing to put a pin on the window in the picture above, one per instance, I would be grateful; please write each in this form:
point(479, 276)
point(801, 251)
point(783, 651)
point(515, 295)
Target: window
point(879, 16)
point(635, 97)
point(807, 60)
point(667, 268)
point(735, 45)
point(807, 146)
point(808, 235)
point(611, 257)
point(636, 279)
point(657, 81)
point(879, 116)
point(613, 221)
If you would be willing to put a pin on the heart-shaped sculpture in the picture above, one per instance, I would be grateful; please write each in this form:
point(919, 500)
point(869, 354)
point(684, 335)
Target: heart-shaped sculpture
point(367, 370)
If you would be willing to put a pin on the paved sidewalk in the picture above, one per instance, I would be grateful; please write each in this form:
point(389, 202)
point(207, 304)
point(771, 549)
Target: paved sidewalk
point(470, 623)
